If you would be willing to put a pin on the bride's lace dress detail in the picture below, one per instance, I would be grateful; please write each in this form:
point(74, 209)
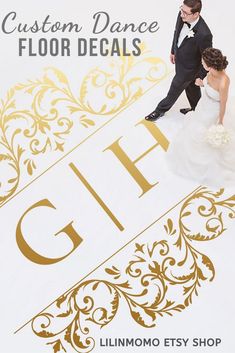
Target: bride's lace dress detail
point(190, 155)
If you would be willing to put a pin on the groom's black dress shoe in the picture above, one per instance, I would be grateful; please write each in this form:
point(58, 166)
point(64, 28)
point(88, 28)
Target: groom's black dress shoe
point(186, 110)
point(155, 115)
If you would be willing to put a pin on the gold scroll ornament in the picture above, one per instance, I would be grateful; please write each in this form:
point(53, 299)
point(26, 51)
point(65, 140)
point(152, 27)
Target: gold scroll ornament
point(160, 279)
point(38, 117)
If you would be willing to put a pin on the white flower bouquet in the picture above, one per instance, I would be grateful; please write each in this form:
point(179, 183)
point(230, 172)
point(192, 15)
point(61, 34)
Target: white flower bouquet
point(217, 136)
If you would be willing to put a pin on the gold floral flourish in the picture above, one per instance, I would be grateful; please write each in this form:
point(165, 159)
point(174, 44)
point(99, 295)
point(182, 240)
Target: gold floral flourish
point(37, 116)
point(159, 272)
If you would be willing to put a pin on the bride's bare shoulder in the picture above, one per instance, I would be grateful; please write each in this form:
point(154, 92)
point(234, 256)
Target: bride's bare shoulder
point(224, 82)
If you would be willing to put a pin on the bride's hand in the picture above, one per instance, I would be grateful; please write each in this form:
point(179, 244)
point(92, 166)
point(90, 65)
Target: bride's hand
point(199, 82)
point(172, 59)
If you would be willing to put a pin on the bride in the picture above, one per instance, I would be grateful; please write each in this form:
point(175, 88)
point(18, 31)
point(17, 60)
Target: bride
point(192, 152)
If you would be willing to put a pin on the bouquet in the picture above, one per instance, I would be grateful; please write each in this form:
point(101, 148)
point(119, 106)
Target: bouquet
point(217, 136)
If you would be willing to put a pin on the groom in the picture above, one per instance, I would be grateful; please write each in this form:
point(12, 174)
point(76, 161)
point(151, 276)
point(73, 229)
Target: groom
point(191, 37)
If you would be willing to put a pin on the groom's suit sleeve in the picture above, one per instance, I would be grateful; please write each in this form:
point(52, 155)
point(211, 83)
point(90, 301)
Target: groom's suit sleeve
point(204, 43)
point(174, 43)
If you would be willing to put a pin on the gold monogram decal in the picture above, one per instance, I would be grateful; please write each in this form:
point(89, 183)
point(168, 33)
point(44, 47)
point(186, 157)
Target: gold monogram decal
point(38, 117)
point(150, 284)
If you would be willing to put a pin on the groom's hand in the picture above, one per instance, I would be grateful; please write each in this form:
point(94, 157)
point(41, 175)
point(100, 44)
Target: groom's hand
point(199, 82)
point(172, 58)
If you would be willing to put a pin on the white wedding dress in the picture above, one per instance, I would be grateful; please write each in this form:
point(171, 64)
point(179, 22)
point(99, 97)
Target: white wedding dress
point(191, 156)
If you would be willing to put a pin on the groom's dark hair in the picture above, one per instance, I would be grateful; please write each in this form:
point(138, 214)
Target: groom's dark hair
point(195, 5)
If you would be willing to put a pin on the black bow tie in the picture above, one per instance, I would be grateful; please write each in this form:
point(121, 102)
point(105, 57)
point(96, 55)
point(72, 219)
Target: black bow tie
point(188, 24)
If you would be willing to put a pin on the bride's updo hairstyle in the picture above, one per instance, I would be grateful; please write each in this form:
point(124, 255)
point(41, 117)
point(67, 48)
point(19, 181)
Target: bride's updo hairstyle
point(215, 59)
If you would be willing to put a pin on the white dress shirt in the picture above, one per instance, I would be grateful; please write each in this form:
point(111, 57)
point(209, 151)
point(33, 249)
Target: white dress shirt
point(185, 31)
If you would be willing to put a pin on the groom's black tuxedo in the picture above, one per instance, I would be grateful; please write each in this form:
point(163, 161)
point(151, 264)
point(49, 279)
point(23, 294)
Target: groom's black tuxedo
point(188, 65)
